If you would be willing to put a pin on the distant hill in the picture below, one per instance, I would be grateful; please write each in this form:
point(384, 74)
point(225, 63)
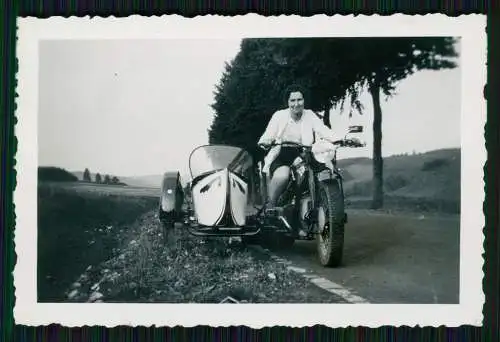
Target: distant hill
point(424, 179)
point(146, 181)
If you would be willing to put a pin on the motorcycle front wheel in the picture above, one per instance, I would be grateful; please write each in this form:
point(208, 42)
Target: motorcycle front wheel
point(331, 220)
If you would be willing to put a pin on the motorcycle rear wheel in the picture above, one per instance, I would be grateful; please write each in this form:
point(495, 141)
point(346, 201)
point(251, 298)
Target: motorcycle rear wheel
point(330, 240)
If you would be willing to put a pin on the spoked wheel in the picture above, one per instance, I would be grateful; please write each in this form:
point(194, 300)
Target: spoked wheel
point(331, 220)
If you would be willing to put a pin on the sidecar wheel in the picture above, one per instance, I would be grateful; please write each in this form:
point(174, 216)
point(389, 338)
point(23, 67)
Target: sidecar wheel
point(330, 240)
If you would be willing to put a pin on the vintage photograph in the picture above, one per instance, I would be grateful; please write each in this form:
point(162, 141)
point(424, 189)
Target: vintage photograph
point(251, 170)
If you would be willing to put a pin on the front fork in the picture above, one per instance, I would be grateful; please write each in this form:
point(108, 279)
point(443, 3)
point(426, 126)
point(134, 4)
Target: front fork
point(312, 216)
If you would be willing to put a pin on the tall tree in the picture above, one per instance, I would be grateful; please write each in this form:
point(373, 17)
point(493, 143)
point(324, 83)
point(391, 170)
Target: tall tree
point(86, 176)
point(98, 178)
point(381, 63)
point(107, 179)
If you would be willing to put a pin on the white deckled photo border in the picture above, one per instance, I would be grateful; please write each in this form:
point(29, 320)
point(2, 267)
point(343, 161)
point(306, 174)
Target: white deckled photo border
point(472, 31)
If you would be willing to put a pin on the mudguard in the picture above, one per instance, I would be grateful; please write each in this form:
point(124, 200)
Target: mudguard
point(172, 195)
point(326, 174)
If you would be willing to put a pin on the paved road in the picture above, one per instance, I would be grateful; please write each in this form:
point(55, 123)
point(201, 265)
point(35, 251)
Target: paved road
point(389, 258)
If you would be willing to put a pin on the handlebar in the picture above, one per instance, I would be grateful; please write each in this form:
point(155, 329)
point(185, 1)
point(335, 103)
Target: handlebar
point(285, 143)
point(341, 143)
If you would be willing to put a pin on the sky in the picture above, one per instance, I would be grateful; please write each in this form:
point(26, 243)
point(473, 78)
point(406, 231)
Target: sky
point(139, 107)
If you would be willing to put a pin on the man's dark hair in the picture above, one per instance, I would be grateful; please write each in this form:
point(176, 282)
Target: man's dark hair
point(293, 89)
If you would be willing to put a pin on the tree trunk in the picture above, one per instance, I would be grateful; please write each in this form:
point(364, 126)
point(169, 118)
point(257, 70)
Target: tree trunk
point(378, 166)
point(326, 116)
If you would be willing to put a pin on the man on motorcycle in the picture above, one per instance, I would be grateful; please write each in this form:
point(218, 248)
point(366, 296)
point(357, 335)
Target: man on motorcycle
point(293, 124)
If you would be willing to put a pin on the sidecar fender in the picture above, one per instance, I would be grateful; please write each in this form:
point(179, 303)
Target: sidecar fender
point(172, 194)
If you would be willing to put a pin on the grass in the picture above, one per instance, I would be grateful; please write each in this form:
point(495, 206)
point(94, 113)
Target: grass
point(76, 228)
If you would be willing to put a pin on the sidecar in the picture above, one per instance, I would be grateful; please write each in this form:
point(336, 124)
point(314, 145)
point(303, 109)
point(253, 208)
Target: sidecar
point(171, 199)
point(222, 191)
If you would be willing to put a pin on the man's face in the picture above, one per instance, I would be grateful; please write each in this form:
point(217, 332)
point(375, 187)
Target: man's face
point(296, 102)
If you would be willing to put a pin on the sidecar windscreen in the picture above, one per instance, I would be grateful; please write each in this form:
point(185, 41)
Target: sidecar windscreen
point(209, 158)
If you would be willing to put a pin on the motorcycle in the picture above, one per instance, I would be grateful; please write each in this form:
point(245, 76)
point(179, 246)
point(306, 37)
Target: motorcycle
point(228, 202)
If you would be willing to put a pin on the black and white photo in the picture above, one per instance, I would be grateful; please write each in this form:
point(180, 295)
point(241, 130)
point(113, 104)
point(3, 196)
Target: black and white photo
point(335, 163)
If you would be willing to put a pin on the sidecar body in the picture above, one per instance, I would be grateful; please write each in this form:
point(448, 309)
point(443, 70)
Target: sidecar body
point(222, 190)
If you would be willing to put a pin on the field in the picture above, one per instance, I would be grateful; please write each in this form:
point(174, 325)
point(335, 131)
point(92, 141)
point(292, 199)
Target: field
point(77, 226)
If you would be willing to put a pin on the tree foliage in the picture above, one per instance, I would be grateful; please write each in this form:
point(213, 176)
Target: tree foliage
point(55, 174)
point(380, 64)
point(252, 86)
point(86, 176)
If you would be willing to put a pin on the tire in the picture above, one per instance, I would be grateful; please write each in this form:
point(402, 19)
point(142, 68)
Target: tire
point(330, 243)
